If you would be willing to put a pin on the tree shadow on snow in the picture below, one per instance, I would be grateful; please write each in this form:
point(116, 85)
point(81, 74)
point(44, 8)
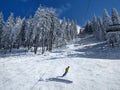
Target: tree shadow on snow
point(15, 52)
point(99, 51)
point(60, 80)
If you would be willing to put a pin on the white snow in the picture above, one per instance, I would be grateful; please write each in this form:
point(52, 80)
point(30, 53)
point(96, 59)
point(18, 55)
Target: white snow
point(93, 66)
point(78, 28)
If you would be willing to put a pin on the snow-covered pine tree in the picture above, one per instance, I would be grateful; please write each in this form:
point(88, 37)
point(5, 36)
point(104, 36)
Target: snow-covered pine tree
point(16, 32)
point(63, 28)
point(41, 29)
point(1, 28)
point(44, 20)
point(106, 19)
point(23, 33)
point(53, 20)
point(101, 29)
point(71, 28)
point(115, 16)
point(7, 34)
point(88, 28)
point(75, 32)
point(95, 27)
point(59, 35)
point(37, 20)
point(67, 31)
point(29, 32)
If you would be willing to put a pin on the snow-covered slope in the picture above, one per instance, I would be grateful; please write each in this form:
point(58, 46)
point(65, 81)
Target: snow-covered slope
point(93, 66)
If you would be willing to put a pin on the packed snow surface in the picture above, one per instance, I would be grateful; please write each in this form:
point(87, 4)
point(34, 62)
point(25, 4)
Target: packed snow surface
point(93, 66)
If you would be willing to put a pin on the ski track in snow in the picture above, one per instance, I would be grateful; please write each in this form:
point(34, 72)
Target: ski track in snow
point(93, 66)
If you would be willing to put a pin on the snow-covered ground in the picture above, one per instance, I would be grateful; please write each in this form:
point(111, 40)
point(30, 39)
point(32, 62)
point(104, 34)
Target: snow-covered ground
point(93, 66)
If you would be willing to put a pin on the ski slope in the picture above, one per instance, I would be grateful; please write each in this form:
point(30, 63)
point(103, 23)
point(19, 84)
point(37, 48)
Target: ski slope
point(93, 66)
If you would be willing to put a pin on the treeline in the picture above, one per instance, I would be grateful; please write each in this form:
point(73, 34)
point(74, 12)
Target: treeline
point(98, 26)
point(44, 30)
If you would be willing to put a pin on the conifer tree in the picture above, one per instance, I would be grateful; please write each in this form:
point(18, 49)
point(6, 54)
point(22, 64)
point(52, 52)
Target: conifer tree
point(1, 28)
point(115, 16)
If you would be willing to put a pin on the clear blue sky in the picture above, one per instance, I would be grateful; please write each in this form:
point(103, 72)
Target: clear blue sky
point(73, 9)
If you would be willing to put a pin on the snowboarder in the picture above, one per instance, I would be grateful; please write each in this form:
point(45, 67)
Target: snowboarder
point(66, 71)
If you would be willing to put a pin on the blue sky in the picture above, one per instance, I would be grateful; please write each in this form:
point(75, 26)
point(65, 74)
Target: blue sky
point(72, 9)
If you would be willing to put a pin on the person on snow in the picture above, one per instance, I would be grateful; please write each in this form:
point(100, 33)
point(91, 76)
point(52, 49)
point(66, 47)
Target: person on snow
point(66, 71)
